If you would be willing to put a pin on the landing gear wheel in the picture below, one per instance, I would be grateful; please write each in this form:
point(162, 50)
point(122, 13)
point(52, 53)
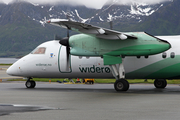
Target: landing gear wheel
point(121, 85)
point(160, 83)
point(30, 84)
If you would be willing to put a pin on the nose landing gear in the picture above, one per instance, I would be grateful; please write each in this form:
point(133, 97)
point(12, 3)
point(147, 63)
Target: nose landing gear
point(30, 83)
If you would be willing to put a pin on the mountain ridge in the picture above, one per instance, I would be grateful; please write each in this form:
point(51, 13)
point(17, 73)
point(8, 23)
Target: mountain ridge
point(22, 25)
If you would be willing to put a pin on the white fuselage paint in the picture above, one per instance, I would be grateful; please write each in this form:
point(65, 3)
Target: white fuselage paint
point(52, 64)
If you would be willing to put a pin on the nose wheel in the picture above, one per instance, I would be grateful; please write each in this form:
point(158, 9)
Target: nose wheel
point(30, 83)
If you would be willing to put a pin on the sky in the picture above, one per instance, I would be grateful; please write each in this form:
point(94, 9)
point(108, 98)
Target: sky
point(89, 3)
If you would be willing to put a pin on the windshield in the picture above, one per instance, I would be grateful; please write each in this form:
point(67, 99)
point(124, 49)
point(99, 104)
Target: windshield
point(39, 50)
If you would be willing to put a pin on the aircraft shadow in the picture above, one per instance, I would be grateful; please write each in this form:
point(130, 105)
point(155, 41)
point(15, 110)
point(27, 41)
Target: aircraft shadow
point(132, 90)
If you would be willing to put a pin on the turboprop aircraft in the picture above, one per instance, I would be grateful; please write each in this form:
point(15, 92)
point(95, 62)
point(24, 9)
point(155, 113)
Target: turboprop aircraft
point(102, 53)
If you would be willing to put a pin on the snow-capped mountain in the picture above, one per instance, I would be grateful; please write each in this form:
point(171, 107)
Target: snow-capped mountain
point(134, 12)
point(22, 25)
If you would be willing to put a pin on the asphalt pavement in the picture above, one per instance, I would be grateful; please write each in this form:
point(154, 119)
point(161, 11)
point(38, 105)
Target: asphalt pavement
point(4, 76)
point(88, 102)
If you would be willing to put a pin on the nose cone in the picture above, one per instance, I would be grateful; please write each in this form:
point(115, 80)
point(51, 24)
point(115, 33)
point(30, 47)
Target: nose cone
point(12, 71)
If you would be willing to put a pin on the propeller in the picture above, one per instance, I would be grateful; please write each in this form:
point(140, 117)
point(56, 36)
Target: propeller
point(65, 42)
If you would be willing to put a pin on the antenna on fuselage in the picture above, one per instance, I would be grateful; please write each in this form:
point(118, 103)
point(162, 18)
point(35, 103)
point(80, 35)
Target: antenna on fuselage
point(111, 24)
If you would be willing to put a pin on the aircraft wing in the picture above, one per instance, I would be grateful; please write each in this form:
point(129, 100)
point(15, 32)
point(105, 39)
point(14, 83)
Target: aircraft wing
point(91, 30)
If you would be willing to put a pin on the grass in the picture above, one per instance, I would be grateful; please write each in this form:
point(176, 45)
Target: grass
point(101, 81)
point(5, 64)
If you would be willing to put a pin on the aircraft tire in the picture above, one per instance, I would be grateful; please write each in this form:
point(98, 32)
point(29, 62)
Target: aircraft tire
point(160, 83)
point(121, 85)
point(30, 84)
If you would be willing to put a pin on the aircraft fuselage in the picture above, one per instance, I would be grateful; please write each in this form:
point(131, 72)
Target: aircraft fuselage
point(52, 64)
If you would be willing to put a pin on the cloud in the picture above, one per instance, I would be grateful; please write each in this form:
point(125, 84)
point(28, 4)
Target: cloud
point(89, 3)
point(128, 2)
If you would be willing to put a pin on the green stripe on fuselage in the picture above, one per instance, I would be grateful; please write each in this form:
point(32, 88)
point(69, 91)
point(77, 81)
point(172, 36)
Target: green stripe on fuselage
point(165, 69)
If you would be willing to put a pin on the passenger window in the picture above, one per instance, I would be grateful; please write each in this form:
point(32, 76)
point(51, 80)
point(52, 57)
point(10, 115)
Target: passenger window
point(39, 50)
point(172, 55)
point(164, 55)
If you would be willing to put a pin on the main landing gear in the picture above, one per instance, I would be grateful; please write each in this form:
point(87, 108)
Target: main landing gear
point(30, 83)
point(121, 83)
point(160, 83)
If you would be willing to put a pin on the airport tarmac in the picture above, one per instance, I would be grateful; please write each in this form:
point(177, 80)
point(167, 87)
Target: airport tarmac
point(88, 102)
point(3, 75)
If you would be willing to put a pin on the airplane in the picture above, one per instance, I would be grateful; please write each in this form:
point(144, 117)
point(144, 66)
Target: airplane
point(102, 53)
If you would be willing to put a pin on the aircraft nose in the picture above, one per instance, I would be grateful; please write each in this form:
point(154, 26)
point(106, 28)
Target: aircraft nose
point(12, 71)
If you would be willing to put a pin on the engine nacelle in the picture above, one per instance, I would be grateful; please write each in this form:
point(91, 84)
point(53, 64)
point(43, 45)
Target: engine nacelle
point(86, 45)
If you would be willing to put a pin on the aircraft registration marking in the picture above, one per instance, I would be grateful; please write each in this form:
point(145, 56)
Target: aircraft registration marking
point(40, 64)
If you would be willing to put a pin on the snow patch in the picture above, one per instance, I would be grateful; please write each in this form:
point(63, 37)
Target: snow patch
point(110, 17)
point(141, 11)
point(82, 20)
point(100, 18)
point(51, 15)
point(33, 3)
point(51, 8)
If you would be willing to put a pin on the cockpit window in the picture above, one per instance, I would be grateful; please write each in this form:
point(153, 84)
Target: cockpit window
point(39, 50)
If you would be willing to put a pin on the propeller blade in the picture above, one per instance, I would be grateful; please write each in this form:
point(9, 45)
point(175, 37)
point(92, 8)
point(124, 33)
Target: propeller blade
point(67, 53)
point(65, 42)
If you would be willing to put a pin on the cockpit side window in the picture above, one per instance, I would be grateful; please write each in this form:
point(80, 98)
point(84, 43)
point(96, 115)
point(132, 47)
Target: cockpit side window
point(39, 50)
